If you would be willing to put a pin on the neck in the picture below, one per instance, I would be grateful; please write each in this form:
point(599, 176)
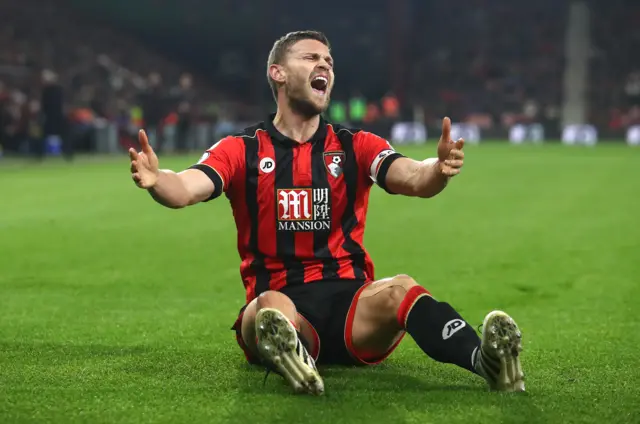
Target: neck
point(294, 125)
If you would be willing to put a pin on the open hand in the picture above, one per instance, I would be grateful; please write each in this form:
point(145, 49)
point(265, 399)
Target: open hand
point(144, 165)
point(450, 154)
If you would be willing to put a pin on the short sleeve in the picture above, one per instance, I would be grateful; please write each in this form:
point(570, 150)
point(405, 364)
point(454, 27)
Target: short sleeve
point(220, 163)
point(374, 155)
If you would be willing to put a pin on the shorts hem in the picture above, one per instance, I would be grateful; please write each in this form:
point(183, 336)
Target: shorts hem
point(316, 338)
point(237, 326)
point(360, 357)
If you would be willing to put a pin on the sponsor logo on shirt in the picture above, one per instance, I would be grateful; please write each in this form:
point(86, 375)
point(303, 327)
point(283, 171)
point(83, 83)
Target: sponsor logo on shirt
point(303, 209)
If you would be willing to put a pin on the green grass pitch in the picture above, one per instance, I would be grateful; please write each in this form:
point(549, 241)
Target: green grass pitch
point(114, 309)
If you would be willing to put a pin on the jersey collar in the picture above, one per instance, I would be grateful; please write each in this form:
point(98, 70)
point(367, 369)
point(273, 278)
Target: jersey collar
point(277, 136)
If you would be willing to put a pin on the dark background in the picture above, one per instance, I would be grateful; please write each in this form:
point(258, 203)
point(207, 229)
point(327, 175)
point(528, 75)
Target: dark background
point(492, 63)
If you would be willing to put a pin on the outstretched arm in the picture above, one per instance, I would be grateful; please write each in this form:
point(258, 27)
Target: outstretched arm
point(178, 190)
point(427, 178)
point(170, 189)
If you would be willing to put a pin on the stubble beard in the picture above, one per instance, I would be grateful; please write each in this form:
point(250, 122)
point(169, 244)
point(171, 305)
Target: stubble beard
point(301, 104)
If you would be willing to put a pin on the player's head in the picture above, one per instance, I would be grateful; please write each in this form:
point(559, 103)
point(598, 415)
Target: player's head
point(300, 71)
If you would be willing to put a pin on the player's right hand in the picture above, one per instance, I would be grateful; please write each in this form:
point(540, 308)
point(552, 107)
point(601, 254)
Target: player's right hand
point(144, 164)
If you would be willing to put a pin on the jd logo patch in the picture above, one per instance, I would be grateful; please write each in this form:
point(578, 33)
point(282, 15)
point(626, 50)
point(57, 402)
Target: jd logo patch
point(267, 165)
point(452, 328)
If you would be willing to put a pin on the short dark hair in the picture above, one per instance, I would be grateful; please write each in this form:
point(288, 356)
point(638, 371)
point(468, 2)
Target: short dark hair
point(282, 46)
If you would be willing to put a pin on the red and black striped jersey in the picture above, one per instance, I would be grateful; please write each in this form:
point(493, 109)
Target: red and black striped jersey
point(300, 208)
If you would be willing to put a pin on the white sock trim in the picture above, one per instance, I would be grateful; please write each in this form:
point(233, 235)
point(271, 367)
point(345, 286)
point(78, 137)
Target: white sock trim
point(474, 357)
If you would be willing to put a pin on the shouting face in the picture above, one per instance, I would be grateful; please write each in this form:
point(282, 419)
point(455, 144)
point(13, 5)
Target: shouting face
point(306, 75)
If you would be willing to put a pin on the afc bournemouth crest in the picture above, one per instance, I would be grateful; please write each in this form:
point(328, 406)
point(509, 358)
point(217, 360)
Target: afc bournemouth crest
point(334, 161)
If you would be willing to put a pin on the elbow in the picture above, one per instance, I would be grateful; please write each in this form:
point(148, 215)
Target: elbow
point(182, 203)
point(169, 205)
point(180, 206)
point(427, 195)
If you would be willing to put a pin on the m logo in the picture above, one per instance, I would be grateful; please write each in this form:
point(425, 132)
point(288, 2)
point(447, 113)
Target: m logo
point(303, 209)
point(452, 327)
point(294, 205)
point(267, 165)
point(334, 161)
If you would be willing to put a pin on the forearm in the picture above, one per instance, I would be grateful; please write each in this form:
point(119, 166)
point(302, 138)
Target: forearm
point(170, 190)
point(427, 180)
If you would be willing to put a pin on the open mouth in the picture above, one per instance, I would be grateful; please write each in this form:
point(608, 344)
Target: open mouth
point(319, 84)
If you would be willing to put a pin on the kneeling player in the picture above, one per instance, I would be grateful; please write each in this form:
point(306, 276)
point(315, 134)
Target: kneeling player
point(299, 189)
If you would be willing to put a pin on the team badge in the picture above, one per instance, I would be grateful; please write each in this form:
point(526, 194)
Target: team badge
point(334, 161)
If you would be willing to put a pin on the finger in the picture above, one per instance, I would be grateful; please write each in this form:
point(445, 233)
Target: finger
point(456, 154)
point(144, 142)
point(446, 129)
point(450, 172)
point(454, 163)
point(134, 166)
point(136, 178)
point(133, 154)
point(459, 144)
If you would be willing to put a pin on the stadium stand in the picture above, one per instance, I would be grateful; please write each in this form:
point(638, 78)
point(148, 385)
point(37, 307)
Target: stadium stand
point(485, 65)
point(615, 68)
point(419, 60)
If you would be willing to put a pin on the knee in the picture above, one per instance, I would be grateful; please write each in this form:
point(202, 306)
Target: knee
point(404, 281)
point(396, 293)
point(272, 299)
point(276, 300)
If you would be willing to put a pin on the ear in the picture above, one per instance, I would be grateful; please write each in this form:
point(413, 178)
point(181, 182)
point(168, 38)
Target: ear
point(277, 73)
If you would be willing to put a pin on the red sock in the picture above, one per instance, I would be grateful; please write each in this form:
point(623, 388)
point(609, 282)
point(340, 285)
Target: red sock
point(408, 302)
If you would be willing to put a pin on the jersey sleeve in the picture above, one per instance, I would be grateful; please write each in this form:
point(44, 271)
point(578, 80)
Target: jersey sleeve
point(220, 163)
point(374, 155)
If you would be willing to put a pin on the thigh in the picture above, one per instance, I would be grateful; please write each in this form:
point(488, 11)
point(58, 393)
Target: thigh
point(375, 331)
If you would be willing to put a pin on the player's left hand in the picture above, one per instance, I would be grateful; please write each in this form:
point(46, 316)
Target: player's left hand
point(450, 154)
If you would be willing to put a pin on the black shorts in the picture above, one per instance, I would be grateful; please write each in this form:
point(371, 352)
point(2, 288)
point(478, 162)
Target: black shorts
point(329, 306)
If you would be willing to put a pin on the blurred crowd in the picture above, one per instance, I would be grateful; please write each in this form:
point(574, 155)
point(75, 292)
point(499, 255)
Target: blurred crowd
point(615, 65)
point(488, 62)
point(61, 76)
point(492, 62)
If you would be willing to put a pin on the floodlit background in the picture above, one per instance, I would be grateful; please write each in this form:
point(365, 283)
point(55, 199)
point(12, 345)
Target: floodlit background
point(91, 72)
point(114, 309)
